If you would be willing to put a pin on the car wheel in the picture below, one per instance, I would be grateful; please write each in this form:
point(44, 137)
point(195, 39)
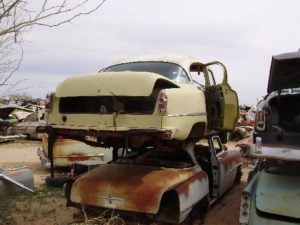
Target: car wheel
point(56, 181)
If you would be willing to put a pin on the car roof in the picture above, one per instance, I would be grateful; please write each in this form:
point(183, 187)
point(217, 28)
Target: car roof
point(184, 61)
point(284, 72)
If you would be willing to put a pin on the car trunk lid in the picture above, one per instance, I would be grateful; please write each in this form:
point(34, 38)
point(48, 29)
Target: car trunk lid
point(113, 84)
point(279, 194)
point(127, 187)
point(284, 71)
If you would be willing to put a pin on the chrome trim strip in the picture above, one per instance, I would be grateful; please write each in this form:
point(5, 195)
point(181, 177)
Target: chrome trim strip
point(188, 114)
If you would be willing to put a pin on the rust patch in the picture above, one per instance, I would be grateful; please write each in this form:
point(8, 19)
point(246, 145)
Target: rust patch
point(13, 173)
point(73, 158)
point(184, 187)
point(134, 188)
point(230, 157)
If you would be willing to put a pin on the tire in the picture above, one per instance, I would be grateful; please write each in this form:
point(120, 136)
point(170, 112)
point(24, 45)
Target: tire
point(56, 181)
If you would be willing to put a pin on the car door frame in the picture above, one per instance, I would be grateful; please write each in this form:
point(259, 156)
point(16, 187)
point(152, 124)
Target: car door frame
point(221, 101)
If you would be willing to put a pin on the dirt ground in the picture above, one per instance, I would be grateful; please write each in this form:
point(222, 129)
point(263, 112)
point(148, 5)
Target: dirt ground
point(47, 206)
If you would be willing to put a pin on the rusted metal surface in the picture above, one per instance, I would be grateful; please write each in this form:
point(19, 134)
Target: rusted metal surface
point(67, 151)
point(164, 184)
point(230, 159)
point(192, 188)
point(130, 187)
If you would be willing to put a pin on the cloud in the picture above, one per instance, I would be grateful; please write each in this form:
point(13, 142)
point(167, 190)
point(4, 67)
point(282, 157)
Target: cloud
point(242, 35)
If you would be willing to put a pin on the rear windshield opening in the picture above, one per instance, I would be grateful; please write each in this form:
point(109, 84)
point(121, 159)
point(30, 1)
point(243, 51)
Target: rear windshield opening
point(107, 105)
point(111, 104)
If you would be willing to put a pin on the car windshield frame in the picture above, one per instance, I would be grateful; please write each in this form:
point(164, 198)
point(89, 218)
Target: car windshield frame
point(169, 70)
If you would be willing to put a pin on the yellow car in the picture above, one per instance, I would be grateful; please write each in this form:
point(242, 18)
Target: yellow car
point(144, 100)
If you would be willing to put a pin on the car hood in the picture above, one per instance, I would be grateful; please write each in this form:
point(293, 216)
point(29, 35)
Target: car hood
point(113, 83)
point(127, 187)
point(279, 195)
point(284, 71)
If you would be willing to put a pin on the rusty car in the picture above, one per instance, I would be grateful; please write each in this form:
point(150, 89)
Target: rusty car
point(156, 108)
point(65, 153)
point(165, 185)
point(28, 126)
point(272, 194)
point(11, 114)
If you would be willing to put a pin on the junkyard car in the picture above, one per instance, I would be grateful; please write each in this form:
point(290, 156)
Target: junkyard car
point(29, 126)
point(65, 153)
point(154, 107)
point(155, 98)
point(68, 151)
point(272, 195)
point(167, 185)
point(12, 114)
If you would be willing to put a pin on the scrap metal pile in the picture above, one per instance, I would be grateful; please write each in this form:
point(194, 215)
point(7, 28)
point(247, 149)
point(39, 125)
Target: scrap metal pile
point(21, 120)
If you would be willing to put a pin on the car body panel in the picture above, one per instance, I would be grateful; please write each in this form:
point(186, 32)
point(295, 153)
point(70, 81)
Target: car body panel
point(284, 71)
point(111, 84)
point(13, 180)
point(287, 152)
point(68, 151)
point(228, 163)
point(132, 187)
point(279, 195)
point(257, 218)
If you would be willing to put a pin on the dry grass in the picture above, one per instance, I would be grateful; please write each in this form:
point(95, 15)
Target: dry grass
point(100, 220)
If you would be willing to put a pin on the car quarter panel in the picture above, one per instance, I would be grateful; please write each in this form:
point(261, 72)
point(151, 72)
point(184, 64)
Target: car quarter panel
point(131, 187)
point(186, 107)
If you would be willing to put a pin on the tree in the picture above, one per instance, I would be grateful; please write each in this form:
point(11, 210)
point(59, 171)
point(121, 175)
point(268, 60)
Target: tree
point(19, 16)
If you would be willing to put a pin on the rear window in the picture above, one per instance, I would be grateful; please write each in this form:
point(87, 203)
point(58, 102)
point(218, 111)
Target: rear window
point(107, 104)
point(170, 70)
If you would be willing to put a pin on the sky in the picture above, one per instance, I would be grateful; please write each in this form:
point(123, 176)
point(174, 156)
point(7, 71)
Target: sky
point(243, 35)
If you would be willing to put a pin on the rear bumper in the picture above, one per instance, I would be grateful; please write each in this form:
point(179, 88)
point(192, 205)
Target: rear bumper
point(95, 135)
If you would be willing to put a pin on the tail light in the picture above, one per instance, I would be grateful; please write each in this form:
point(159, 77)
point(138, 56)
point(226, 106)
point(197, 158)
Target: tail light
point(162, 101)
point(260, 120)
point(49, 102)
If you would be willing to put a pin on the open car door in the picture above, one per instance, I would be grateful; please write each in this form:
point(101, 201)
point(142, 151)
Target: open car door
point(221, 101)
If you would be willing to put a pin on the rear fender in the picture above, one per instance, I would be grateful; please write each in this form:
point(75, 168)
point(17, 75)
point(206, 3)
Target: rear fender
point(191, 192)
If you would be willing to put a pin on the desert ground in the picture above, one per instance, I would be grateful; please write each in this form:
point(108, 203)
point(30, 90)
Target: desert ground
point(47, 206)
